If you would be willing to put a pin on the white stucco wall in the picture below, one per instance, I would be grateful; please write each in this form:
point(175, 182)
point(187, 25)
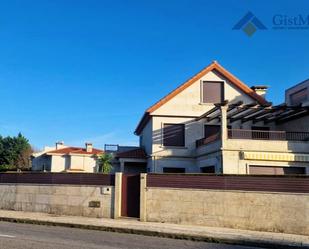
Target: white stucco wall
point(82, 162)
point(188, 102)
point(182, 109)
point(146, 138)
point(59, 163)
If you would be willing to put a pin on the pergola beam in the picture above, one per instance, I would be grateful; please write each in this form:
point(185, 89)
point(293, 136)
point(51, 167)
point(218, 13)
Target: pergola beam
point(259, 116)
point(213, 117)
point(241, 109)
point(255, 112)
point(233, 106)
point(283, 114)
point(262, 117)
point(258, 113)
point(248, 113)
point(298, 114)
point(206, 114)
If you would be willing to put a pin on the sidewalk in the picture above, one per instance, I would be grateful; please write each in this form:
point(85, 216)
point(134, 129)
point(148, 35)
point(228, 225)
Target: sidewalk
point(210, 234)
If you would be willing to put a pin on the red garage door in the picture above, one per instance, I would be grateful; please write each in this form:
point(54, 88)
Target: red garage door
point(267, 170)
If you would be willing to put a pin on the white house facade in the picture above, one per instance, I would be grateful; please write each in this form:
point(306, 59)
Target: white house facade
point(194, 129)
point(62, 158)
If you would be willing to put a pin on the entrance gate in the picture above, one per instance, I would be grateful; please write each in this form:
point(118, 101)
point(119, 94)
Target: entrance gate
point(130, 195)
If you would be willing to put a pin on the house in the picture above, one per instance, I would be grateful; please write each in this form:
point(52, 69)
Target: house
point(127, 159)
point(298, 94)
point(62, 158)
point(215, 123)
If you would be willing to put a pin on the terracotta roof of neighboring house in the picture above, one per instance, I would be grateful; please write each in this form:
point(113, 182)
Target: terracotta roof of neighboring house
point(213, 66)
point(75, 150)
point(135, 153)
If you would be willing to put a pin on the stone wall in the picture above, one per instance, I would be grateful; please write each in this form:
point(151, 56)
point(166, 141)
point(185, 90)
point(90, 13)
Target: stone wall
point(262, 211)
point(58, 199)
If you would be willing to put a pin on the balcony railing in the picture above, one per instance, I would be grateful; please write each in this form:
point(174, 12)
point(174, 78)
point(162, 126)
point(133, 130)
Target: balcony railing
point(258, 135)
point(268, 135)
point(207, 140)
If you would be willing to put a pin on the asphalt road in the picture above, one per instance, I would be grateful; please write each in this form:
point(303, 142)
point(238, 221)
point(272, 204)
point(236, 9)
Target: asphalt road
point(26, 236)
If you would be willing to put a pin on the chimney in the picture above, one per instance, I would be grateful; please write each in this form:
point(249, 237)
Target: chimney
point(88, 147)
point(59, 145)
point(260, 90)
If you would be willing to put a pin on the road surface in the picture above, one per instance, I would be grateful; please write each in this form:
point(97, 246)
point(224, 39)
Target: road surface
point(26, 236)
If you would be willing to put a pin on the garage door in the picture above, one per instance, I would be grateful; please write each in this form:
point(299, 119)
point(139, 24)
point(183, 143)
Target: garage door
point(267, 170)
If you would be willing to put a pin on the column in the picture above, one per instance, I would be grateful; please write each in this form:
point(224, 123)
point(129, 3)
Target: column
point(117, 195)
point(224, 124)
point(143, 200)
point(121, 165)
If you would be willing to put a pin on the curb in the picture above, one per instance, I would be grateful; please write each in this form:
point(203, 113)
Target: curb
point(210, 239)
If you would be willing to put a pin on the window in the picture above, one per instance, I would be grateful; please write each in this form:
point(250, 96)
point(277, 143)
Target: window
point(209, 169)
point(174, 135)
point(174, 170)
point(299, 97)
point(212, 131)
point(212, 92)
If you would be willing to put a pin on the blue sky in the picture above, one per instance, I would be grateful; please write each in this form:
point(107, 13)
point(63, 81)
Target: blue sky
point(86, 70)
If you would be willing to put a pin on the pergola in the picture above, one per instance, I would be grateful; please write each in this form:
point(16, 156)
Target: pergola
point(255, 112)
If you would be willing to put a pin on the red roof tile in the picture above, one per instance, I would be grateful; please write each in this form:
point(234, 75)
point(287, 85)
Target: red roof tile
point(75, 150)
point(135, 153)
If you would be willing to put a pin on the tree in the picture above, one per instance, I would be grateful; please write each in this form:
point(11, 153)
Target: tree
point(104, 163)
point(15, 153)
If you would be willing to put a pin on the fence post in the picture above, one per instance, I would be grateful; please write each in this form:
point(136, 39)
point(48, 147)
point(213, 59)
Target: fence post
point(117, 199)
point(143, 201)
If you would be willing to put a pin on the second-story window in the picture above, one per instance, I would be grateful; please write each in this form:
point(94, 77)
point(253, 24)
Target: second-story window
point(212, 92)
point(174, 135)
point(212, 131)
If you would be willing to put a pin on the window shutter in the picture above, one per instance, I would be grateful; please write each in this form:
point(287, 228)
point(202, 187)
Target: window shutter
point(212, 92)
point(174, 135)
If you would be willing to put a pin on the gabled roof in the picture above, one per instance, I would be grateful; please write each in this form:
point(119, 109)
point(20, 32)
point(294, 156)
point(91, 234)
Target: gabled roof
point(214, 66)
point(136, 153)
point(75, 150)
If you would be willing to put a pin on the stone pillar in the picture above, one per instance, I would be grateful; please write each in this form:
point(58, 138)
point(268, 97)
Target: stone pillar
point(117, 196)
point(224, 134)
point(223, 124)
point(143, 201)
point(121, 166)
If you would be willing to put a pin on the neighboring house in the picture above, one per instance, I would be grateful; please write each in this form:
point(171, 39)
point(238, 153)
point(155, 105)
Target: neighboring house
point(127, 159)
point(63, 158)
point(298, 94)
point(215, 123)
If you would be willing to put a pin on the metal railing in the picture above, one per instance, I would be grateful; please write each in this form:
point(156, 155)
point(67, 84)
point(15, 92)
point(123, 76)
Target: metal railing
point(268, 135)
point(258, 135)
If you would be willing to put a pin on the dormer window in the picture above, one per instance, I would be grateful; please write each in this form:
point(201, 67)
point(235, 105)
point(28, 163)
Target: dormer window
point(212, 92)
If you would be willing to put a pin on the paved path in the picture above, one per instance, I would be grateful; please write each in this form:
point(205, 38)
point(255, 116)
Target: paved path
point(27, 236)
point(210, 234)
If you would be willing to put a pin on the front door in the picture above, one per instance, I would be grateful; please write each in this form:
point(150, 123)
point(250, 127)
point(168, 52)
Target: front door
point(130, 195)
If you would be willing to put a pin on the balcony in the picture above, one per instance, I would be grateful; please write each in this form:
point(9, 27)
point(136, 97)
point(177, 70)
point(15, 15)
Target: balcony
point(257, 135)
point(268, 135)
